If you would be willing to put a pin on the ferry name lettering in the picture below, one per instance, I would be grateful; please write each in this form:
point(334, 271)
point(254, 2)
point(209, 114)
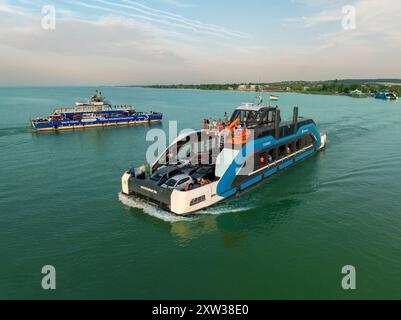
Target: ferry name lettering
point(149, 190)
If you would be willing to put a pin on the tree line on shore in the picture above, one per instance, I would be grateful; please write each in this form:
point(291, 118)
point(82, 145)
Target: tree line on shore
point(340, 87)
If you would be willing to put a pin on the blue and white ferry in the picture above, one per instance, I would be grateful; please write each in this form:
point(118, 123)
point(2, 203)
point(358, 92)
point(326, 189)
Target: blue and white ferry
point(97, 112)
point(255, 146)
point(386, 96)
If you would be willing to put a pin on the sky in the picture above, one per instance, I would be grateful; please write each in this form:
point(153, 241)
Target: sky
point(121, 42)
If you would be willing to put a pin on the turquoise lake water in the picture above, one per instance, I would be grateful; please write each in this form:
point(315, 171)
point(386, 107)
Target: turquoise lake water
point(287, 238)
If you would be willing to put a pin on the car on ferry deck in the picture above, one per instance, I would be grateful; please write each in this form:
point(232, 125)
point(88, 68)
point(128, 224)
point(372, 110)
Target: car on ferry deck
point(165, 173)
point(204, 172)
point(181, 182)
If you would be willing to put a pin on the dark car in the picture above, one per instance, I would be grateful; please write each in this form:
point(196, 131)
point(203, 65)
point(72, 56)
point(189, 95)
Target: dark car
point(162, 175)
point(204, 172)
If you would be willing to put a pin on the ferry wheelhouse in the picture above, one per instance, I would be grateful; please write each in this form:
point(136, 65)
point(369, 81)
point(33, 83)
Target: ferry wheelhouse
point(203, 168)
point(96, 112)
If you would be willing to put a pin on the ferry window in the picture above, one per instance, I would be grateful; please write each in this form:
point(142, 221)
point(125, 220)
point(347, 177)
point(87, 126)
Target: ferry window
point(270, 118)
point(299, 144)
point(310, 140)
point(263, 116)
point(304, 142)
point(236, 115)
point(247, 117)
point(198, 200)
point(282, 151)
point(251, 118)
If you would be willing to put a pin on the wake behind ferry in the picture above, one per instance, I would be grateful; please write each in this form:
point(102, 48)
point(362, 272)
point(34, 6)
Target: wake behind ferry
point(205, 167)
point(96, 112)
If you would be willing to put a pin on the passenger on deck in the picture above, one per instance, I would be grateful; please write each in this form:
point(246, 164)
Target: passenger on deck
point(205, 124)
point(209, 124)
point(226, 117)
point(289, 151)
point(270, 158)
point(204, 182)
point(262, 159)
point(220, 126)
point(148, 169)
point(141, 173)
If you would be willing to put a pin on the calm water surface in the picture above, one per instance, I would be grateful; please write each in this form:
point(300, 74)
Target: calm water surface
point(288, 238)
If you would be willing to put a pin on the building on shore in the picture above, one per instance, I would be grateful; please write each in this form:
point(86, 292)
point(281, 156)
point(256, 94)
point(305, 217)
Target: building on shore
point(356, 93)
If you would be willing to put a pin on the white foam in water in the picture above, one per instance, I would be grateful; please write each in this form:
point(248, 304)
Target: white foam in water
point(216, 211)
point(169, 217)
point(151, 210)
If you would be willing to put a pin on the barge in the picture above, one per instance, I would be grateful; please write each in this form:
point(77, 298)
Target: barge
point(96, 112)
point(203, 168)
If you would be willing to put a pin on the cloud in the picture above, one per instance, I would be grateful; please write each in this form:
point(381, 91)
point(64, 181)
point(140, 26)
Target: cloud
point(371, 49)
point(137, 10)
point(108, 36)
point(118, 44)
point(178, 4)
point(375, 23)
point(316, 3)
point(310, 21)
point(9, 9)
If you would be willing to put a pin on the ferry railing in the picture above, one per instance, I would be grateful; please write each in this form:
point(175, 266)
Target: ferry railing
point(282, 160)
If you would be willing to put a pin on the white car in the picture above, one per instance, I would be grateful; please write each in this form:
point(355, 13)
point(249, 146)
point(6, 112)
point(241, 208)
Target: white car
point(181, 182)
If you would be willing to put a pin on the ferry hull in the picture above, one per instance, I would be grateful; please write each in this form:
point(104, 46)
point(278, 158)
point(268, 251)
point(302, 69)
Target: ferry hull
point(93, 123)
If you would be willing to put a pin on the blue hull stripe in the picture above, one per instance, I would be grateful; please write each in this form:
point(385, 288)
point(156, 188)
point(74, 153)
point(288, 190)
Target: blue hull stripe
point(251, 182)
point(229, 193)
point(286, 164)
point(270, 172)
point(115, 120)
point(304, 155)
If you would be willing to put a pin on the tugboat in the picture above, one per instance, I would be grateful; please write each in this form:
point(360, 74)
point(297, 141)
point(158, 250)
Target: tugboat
point(97, 112)
point(205, 167)
point(386, 96)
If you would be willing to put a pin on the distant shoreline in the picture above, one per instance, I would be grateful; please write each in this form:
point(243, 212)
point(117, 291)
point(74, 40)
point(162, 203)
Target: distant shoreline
point(362, 88)
point(244, 91)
